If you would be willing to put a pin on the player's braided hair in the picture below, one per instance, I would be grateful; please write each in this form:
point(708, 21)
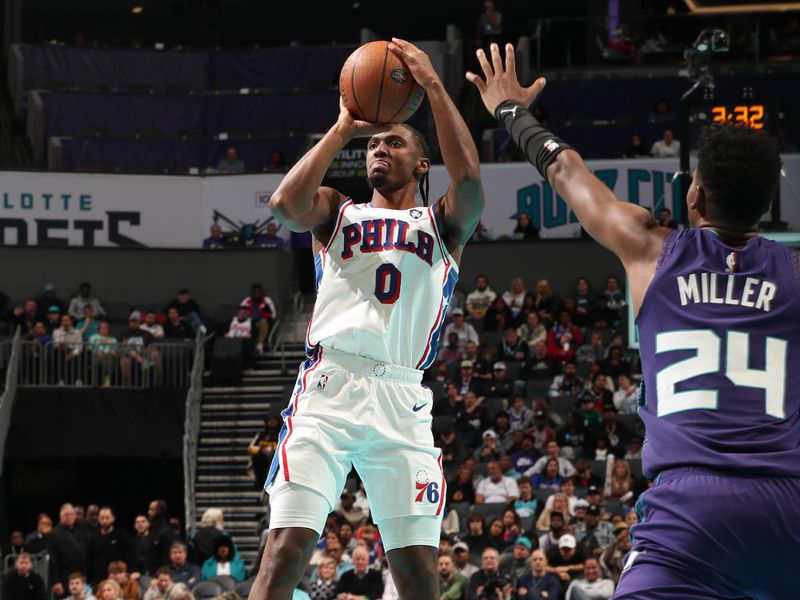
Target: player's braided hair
point(424, 181)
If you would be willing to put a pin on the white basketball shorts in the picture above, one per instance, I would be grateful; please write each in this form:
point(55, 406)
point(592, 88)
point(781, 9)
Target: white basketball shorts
point(348, 409)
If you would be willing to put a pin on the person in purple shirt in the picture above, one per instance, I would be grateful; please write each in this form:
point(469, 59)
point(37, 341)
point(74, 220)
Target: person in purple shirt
point(719, 328)
point(215, 241)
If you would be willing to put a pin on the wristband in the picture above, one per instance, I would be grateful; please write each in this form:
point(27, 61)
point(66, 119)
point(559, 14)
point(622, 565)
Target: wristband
point(540, 146)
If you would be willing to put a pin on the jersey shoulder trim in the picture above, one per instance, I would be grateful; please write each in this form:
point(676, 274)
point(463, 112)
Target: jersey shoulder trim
point(338, 224)
point(448, 259)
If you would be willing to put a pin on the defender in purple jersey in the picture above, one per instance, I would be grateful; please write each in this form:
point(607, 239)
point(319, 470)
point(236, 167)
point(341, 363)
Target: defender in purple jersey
point(719, 329)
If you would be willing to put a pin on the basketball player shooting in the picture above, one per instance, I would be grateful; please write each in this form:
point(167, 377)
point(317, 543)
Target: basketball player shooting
point(719, 328)
point(386, 271)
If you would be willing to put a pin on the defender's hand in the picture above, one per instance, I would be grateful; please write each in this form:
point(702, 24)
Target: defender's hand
point(501, 83)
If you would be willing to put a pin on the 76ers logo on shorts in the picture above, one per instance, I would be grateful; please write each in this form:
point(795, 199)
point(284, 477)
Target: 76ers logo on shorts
point(427, 489)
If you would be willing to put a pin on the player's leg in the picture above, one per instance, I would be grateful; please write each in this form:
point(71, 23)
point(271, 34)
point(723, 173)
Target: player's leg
point(412, 544)
point(297, 518)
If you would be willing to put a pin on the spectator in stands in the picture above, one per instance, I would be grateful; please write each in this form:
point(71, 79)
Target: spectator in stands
point(574, 438)
point(461, 489)
point(525, 229)
point(587, 416)
point(452, 584)
point(542, 434)
point(489, 450)
point(109, 544)
point(532, 331)
point(261, 450)
point(517, 562)
point(108, 589)
point(262, 313)
point(25, 317)
point(224, 561)
point(614, 294)
point(78, 590)
point(558, 526)
point(231, 164)
point(612, 559)
point(471, 419)
point(614, 364)
point(163, 585)
point(480, 299)
point(68, 347)
point(176, 328)
point(88, 325)
point(276, 164)
point(592, 351)
point(129, 586)
point(634, 451)
point(622, 482)
point(564, 338)
point(270, 238)
point(465, 332)
point(451, 352)
point(37, 540)
point(635, 148)
point(461, 564)
point(137, 350)
point(496, 487)
point(152, 326)
point(593, 534)
point(549, 478)
point(585, 301)
point(666, 147)
point(566, 561)
point(215, 241)
point(22, 583)
point(480, 365)
point(490, 26)
point(540, 366)
point(498, 386)
point(324, 585)
point(467, 381)
point(453, 451)
point(515, 297)
point(665, 219)
point(545, 303)
point(616, 433)
point(347, 509)
point(182, 570)
point(53, 319)
point(47, 300)
point(591, 586)
point(160, 536)
point(67, 550)
point(187, 308)
point(103, 348)
point(83, 299)
point(565, 467)
point(489, 573)
point(360, 580)
point(599, 393)
point(141, 544)
point(567, 384)
point(241, 325)
point(212, 524)
point(512, 348)
point(538, 584)
point(519, 415)
point(498, 316)
point(16, 541)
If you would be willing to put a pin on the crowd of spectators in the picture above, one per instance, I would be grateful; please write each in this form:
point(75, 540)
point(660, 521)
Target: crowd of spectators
point(87, 556)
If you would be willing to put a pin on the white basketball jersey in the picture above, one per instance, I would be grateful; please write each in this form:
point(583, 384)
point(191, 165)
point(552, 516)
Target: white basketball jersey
point(383, 285)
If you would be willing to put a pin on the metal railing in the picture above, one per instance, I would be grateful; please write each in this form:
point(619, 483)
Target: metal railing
point(41, 565)
point(191, 432)
point(275, 342)
point(117, 365)
point(10, 392)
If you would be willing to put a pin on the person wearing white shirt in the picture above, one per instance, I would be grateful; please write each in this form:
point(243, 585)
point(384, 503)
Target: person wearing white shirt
point(626, 398)
point(667, 147)
point(496, 487)
point(241, 325)
point(565, 467)
point(480, 299)
point(464, 331)
point(591, 586)
point(150, 325)
point(515, 297)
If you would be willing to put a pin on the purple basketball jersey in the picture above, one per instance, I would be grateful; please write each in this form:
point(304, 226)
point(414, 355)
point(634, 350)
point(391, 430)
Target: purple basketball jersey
point(719, 337)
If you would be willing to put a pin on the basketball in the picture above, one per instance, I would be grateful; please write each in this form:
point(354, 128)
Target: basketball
point(376, 85)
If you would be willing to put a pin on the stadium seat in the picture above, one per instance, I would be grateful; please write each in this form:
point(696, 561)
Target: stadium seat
point(632, 422)
point(599, 468)
point(227, 582)
point(490, 510)
point(636, 467)
point(493, 406)
point(243, 588)
point(563, 405)
point(536, 389)
point(144, 583)
point(207, 590)
point(440, 422)
point(542, 495)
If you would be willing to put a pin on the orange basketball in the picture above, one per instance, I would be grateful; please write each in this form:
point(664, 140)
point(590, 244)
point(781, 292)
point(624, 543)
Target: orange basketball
point(376, 85)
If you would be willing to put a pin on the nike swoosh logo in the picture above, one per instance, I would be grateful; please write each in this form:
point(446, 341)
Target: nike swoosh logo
point(513, 111)
point(416, 408)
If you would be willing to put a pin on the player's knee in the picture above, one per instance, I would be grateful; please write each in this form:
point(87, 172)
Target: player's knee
point(286, 556)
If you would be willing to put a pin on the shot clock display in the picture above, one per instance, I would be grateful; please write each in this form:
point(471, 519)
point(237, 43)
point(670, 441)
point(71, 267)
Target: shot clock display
point(751, 114)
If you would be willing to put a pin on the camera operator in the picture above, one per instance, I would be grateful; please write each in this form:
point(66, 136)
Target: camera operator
point(489, 583)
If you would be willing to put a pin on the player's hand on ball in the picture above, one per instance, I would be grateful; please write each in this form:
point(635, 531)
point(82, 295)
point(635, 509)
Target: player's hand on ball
point(499, 83)
point(418, 62)
point(355, 127)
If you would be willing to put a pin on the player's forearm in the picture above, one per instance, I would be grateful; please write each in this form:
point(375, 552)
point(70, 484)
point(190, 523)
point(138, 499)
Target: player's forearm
point(458, 150)
point(294, 197)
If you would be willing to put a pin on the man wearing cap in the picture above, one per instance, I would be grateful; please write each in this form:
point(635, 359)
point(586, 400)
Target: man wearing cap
point(241, 325)
point(594, 495)
point(452, 584)
point(480, 366)
point(558, 527)
point(496, 487)
point(465, 331)
point(461, 562)
point(613, 558)
point(499, 386)
point(594, 535)
point(53, 319)
point(480, 299)
point(467, 381)
point(566, 561)
point(565, 467)
point(47, 300)
point(591, 586)
point(541, 433)
point(83, 299)
point(187, 308)
point(538, 584)
point(136, 345)
point(517, 562)
point(489, 449)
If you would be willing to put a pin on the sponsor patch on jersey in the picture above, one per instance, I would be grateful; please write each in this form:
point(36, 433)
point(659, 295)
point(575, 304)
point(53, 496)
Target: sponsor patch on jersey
point(415, 213)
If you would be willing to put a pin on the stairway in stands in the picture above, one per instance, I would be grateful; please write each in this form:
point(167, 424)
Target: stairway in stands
point(230, 417)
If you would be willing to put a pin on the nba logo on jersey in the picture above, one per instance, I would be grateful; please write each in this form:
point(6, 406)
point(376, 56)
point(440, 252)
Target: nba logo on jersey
point(730, 260)
point(426, 489)
point(323, 381)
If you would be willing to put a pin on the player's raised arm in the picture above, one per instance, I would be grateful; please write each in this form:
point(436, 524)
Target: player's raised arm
point(463, 202)
point(299, 202)
point(626, 229)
